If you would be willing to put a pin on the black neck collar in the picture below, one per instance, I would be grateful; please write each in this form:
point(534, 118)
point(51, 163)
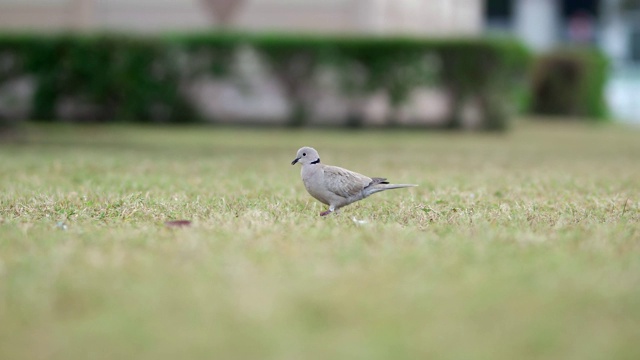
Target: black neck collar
point(316, 161)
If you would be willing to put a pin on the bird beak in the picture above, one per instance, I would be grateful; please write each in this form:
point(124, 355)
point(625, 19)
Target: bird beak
point(295, 161)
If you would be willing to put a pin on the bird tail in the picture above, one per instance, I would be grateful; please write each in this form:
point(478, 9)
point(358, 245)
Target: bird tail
point(397, 186)
point(382, 187)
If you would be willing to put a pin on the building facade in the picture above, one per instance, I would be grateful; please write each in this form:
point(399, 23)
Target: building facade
point(611, 25)
point(416, 17)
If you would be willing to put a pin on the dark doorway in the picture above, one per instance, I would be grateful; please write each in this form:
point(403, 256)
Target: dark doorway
point(498, 14)
point(498, 9)
point(572, 7)
point(580, 19)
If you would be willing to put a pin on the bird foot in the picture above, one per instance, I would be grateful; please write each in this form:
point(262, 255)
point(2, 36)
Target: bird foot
point(325, 213)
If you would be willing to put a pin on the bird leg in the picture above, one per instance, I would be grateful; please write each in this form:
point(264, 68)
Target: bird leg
point(325, 213)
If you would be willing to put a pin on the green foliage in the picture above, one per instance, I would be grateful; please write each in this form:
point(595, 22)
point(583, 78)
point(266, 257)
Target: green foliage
point(630, 5)
point(108, 78)
point(140, 78)
point(570, 83)
point(494, 77)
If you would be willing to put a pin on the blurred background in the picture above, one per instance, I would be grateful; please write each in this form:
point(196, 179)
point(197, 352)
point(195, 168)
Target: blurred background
point(583, 60)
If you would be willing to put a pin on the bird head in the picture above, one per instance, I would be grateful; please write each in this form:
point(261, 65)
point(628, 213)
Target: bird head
point(306, 155)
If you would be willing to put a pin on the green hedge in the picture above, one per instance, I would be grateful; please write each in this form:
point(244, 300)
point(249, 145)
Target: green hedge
point(118, 78)
point(127, 78)
point(571, 83)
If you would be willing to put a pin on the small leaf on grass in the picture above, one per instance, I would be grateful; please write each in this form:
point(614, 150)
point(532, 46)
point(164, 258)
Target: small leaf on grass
point(178, 223)
point(359, 222)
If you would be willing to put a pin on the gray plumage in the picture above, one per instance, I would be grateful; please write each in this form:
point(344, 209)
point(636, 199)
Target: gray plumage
point(335, 186)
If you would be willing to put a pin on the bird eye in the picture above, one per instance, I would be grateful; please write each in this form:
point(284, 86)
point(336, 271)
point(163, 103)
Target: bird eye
point(304, 154)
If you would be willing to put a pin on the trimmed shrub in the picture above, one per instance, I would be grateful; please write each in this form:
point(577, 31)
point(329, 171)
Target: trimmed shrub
point(126, 78)
point(570, 83)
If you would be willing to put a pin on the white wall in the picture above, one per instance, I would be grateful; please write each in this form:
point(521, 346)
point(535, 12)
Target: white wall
point(416, 17)
point(537, 22)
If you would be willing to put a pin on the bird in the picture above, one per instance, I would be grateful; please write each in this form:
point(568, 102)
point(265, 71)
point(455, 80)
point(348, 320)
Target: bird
point(335, 186)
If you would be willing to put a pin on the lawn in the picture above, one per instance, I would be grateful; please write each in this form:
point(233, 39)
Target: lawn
point(523, 245)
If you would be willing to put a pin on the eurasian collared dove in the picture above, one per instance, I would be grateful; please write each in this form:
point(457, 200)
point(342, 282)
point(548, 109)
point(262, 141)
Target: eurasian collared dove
point(335, 186)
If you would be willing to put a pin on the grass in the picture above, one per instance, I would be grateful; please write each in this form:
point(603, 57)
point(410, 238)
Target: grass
point(517, 246)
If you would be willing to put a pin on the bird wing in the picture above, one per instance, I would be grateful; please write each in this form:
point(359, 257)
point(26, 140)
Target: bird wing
point(343, 182)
